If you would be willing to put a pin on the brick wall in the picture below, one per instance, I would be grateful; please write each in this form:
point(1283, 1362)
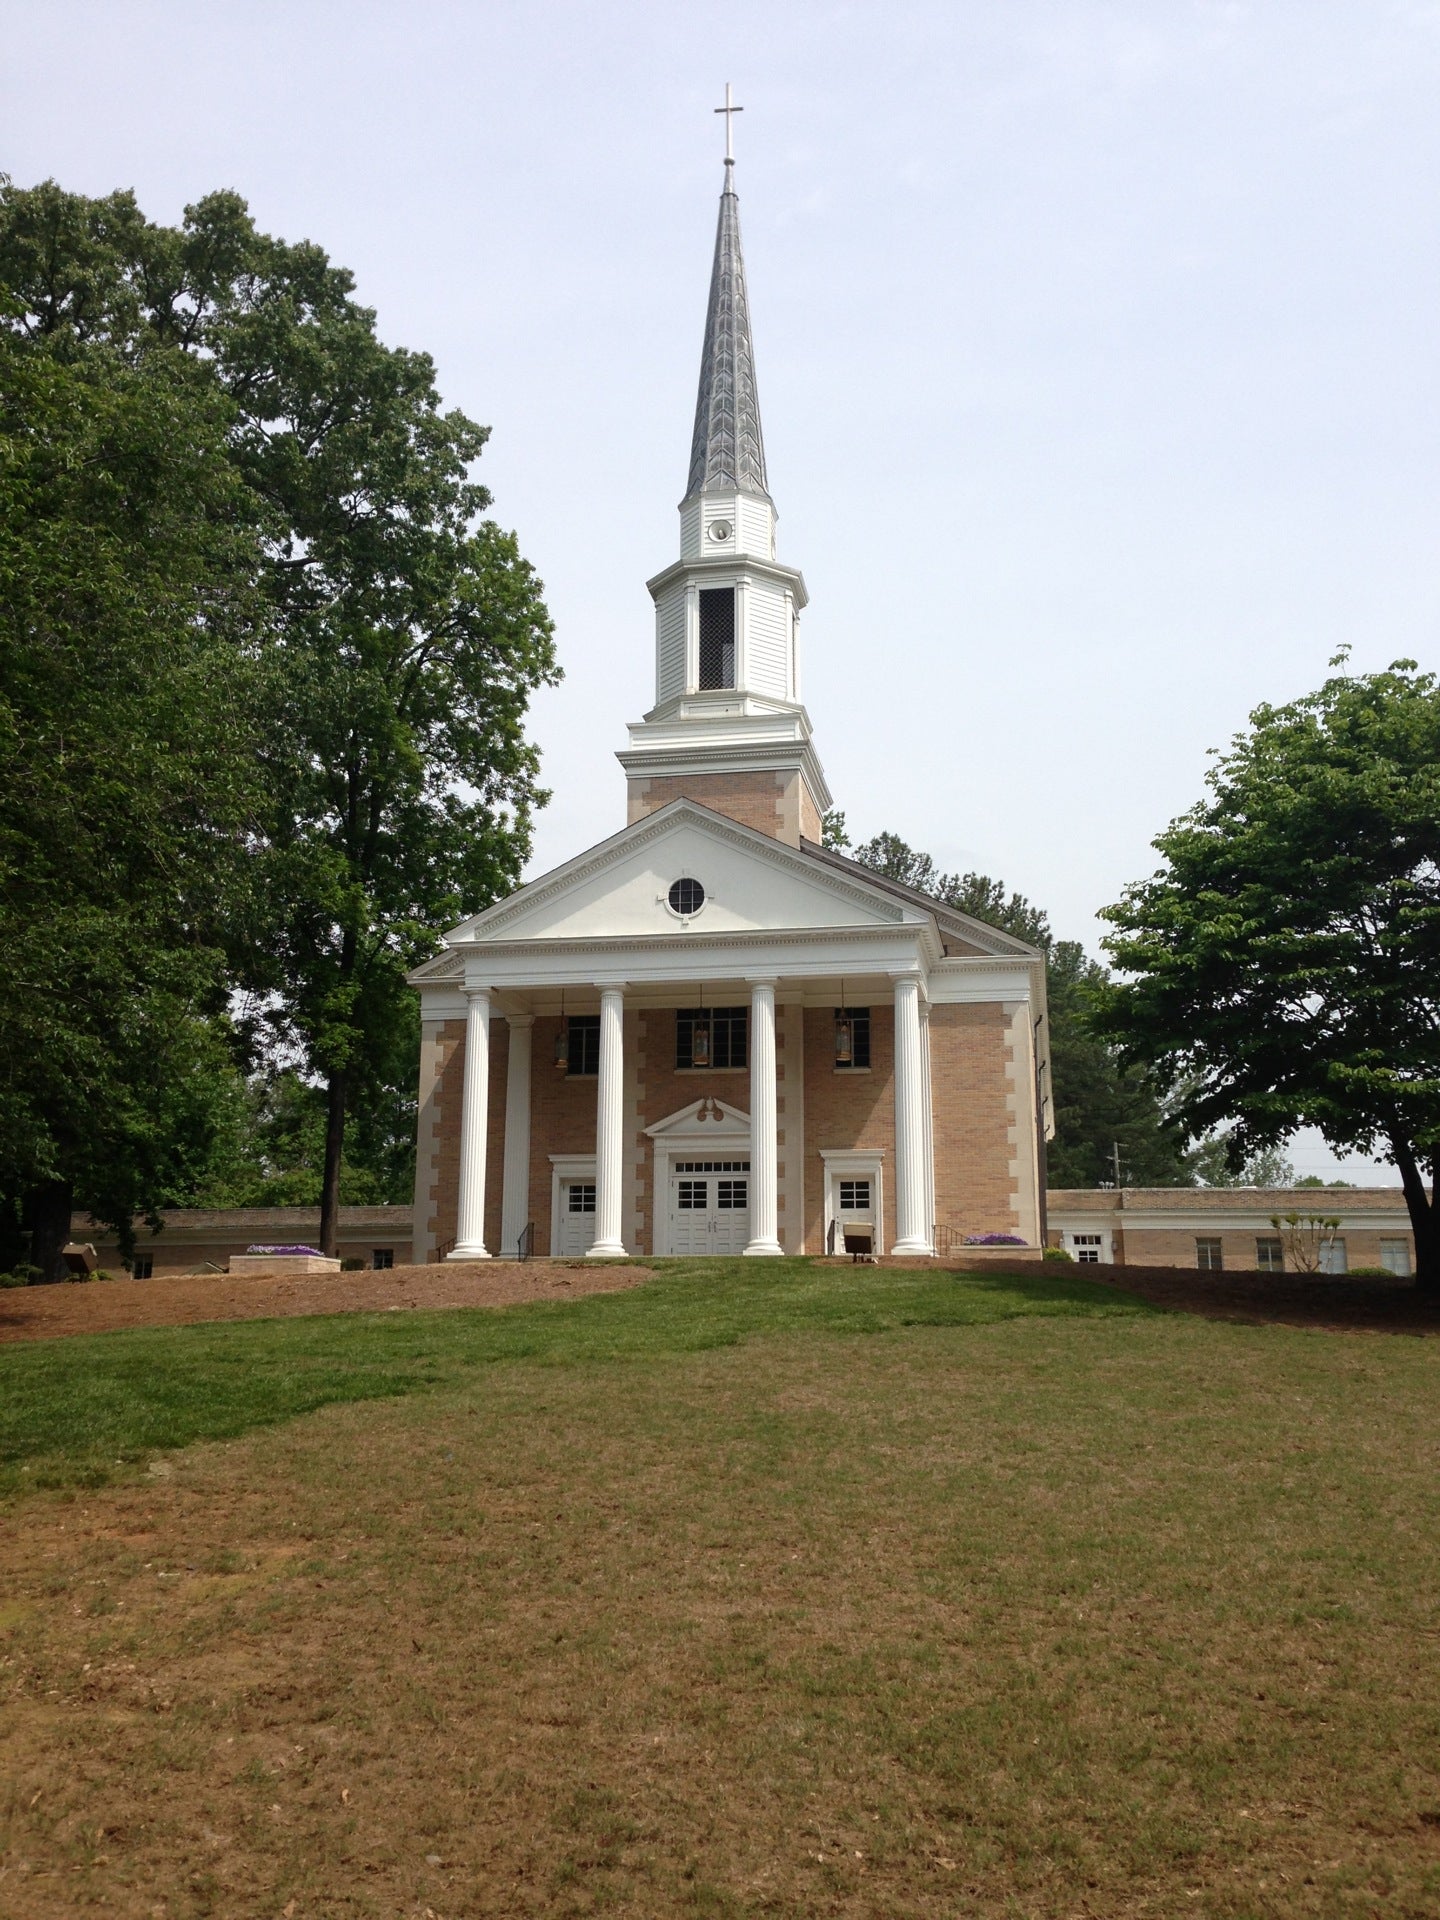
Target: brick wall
point(975, 1155)
point(562, 1120)
point(754, 799)
point(847, 1108)
point(1175, 1246)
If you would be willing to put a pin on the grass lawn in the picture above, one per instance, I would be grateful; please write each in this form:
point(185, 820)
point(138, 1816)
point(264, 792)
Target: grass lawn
point(760, 1590)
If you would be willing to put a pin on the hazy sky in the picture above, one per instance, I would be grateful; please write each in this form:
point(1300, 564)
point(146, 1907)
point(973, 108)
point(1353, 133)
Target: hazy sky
point(1096, 345)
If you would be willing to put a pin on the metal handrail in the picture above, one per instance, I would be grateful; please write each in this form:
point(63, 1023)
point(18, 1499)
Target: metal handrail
point(830, 1236)
point(442, 1252)
point(525, 1245)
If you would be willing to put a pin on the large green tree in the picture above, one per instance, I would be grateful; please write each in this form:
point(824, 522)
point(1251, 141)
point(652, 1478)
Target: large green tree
point(1284, 963)
point(408, 631)
point(130, 626)
point(1101, 1105)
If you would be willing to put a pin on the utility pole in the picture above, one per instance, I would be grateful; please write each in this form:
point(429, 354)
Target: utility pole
point(1115, 1162)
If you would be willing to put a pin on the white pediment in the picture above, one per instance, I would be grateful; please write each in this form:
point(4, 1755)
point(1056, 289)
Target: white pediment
point(704, 1120)
point(620, 889)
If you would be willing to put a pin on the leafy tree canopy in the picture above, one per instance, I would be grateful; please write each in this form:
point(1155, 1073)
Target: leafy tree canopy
point(1100, 1105)
point(129, 628)
point(404, 633)
point(1284, 963)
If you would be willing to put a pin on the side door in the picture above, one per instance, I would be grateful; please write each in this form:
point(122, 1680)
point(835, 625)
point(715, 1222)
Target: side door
point(690, 1204)
point(730, 1221)
point(577, 1218)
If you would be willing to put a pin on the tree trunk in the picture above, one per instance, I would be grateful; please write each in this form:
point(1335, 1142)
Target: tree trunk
point(1423, 1222)
point(335, 1092)
point(47, 1214)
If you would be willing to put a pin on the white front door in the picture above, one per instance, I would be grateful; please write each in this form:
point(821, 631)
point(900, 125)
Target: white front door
point(709, 1206)
point(577, 1217)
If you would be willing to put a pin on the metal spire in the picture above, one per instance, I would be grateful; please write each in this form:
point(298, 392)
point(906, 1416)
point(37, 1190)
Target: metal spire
point(728, 450)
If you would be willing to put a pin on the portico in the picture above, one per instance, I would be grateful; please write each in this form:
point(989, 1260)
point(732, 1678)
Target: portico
point(708, 1125)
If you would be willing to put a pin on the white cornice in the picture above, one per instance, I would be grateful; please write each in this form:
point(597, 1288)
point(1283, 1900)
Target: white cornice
point(731, 563)
point(673, 761)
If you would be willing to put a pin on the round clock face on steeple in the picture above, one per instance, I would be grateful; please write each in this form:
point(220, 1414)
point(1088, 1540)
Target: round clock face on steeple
point(720, 529)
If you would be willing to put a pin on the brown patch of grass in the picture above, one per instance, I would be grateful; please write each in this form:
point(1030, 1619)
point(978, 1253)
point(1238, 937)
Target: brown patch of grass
point(179, 1300)
point(1108, 1617)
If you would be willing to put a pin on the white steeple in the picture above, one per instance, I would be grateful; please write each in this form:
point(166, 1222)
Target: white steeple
point(727, 649)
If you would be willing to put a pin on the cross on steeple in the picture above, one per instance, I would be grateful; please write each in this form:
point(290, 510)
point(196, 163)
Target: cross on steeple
point(728, 109)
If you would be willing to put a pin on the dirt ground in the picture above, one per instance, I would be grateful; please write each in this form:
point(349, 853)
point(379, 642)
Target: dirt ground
point(1255, 1299)
point(45, 1313)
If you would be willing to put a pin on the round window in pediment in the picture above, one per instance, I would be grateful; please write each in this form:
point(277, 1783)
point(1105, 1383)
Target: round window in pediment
point(686, 897)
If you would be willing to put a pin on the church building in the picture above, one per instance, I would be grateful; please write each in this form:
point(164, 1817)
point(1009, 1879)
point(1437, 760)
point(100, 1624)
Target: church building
point(709, 1034)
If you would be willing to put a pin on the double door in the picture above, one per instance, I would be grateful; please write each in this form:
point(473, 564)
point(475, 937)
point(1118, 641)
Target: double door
point(709, 1206)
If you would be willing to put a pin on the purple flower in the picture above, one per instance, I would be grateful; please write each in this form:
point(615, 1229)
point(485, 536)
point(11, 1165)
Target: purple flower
point(314, 1252)
point(993, 1240)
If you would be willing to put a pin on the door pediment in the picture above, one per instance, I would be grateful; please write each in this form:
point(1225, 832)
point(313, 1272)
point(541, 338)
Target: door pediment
point(703, 1122)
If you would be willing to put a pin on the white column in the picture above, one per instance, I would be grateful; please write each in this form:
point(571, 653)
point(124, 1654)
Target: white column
point(764, 1151)
point(928, 1106)
point(515, 1194)
point(474, 1121)
point(913, 1234)
point(610, 1128)
point(692, 636)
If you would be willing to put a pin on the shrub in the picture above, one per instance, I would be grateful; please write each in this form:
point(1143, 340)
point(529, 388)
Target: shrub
point(1058, 1253)
point(1372, 1273)
point(352, 1264)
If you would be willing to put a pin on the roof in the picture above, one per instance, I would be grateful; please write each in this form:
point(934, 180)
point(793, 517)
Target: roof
point(727, 449)
point(1227, 1200)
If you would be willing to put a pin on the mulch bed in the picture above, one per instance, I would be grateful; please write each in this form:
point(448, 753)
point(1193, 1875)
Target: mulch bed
point(1256, 1299)
point(174, 1300)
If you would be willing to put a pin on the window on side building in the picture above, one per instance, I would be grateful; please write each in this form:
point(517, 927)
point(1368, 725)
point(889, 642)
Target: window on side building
point(1269, 1255)
point(382, 1258)
point(1087, 1248)
point(142, 1266)
point(1333, 1258)
point(583, 1030)
point(1395, 1257)
point(717, 636)
point(1209, 1256)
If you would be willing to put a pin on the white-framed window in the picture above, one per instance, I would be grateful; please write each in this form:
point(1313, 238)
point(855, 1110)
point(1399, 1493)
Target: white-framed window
point(580, 1196)
point(1209, 1254)
point(1269, 1254)
point(1333, 1258)
point(1087, 1248)
point(1395, 1257)
point(854, 1196)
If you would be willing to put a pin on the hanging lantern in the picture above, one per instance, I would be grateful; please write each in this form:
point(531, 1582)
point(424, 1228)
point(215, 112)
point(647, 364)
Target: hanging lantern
point(700, 1040)
point(844, 1039)
point(844, 1033)
point(562, 1040)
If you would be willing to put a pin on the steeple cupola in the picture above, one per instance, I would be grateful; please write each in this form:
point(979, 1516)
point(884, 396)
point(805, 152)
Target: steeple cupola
point(728, 728)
